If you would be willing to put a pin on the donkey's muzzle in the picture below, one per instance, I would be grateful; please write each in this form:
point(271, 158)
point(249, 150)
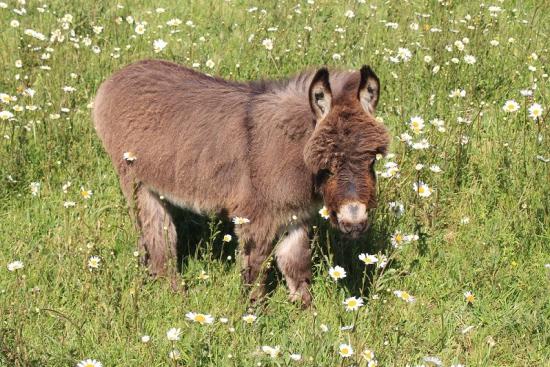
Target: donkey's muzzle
point(353, 218)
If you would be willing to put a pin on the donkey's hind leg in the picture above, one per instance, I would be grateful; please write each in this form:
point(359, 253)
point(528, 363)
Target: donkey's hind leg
point(158, 239)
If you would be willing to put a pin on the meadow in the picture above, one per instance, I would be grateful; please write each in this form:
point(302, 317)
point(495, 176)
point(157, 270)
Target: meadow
point(459, 265)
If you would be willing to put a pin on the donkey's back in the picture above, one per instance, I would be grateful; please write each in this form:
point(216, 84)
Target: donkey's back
point(185, 130)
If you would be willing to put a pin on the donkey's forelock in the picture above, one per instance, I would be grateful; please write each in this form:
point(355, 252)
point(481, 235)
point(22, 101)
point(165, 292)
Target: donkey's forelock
point(342, 149)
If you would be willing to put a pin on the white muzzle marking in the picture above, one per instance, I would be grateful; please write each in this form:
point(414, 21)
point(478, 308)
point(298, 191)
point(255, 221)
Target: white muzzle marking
point(353, 213)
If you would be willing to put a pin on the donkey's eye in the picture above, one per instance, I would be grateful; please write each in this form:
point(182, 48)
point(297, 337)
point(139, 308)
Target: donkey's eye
point(321, 176)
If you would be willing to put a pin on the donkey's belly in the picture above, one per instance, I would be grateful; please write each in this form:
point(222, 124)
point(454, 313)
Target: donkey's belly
point(195, 205)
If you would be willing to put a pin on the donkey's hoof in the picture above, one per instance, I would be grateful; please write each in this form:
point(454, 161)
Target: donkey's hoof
point(303, 296)
point(176, 285)
point(257, 294)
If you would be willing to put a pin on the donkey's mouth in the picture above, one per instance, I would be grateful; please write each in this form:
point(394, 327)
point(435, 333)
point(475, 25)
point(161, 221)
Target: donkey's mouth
point(353, 230)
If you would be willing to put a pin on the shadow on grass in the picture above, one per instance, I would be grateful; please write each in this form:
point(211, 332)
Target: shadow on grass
point(338, 249)
point(201, 236)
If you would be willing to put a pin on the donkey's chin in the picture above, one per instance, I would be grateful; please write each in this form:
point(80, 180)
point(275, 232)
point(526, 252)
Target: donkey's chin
point(353, 230)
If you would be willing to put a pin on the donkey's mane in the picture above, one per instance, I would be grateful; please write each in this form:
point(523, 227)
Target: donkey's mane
point(342, 81)
point(299, 82)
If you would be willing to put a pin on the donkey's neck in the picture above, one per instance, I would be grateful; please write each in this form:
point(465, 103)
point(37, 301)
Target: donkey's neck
point(279, 123)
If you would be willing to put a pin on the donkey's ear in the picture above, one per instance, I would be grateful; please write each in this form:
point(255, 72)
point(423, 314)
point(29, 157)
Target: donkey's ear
point(320, 95)
point(369, 89)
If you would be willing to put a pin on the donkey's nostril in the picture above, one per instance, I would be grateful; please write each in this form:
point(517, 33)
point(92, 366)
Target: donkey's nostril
point(347, 227)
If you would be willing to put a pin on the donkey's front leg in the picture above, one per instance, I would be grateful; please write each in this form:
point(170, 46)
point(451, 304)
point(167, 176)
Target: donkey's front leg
point(294, 260)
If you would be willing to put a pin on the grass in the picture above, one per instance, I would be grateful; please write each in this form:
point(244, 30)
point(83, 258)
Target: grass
point(484, 229)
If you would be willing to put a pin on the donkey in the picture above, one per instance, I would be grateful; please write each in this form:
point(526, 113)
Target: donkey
point(267, 151)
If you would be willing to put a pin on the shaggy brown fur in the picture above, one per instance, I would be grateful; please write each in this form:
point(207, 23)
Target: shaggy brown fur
point(253, 150)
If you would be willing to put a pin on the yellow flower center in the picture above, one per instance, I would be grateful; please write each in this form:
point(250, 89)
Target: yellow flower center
point(399, 238)
point(352, 303)
point(421, 189)
point(510, 107)
point(405, 296)
point(344, 350)
point(200, 318)
point(249, 319)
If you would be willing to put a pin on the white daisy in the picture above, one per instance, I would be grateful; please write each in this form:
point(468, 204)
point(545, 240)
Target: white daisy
point(296, 357)
point(526, 92)
point(470, 59)
point(416, 124)
point(140, 29)
point(435, 168)
point(210, 64)
point(433, 361)
point(404, 54)
point(469, 297)
point(368, 355)
point(89, 363)
point(35, 188)
point(353, 303)
point(6, 115)
point(174, 334)
point(510, 106)
point(199, 318)
point(324, 213)
point(405, 296)
point(241, 220)
point(159, 45)
point(345, 350)
point(422, 189)
point(535, 111)
point(337, 272)
point(249, 319)
point(397, 208)
point(268, 44)
point(94, 262)
point(15, 265)
point(368, 259)
point(86, 194)
point(455, 93)
point(273, 352)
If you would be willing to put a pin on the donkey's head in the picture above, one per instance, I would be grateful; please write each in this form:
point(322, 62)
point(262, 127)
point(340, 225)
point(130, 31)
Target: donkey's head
point(342, 149)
